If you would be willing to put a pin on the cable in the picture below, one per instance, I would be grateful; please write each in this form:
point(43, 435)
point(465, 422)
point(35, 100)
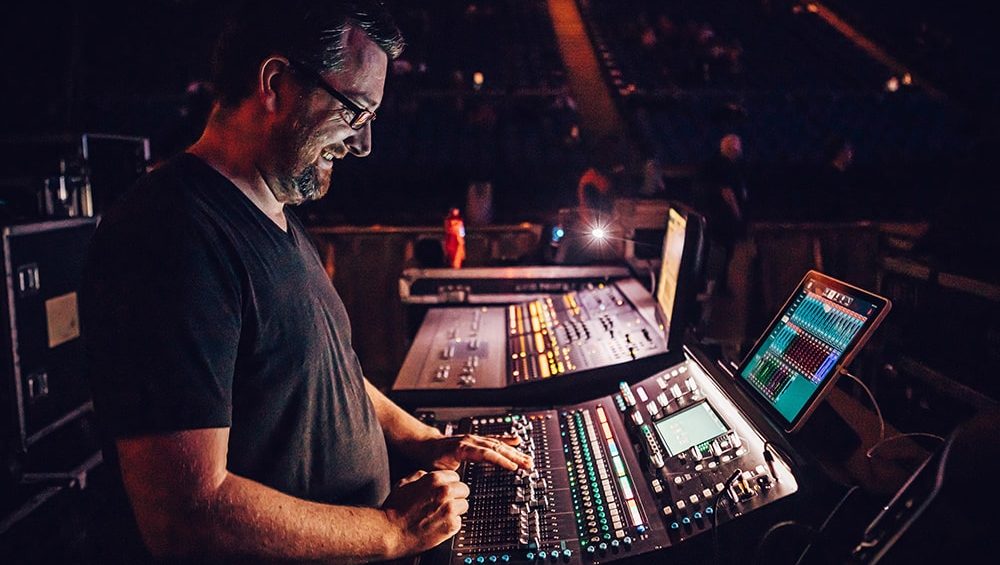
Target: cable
point(770, 531)
point(715, 513)
point(890, 439)
point(829, 517)
point(881, 420)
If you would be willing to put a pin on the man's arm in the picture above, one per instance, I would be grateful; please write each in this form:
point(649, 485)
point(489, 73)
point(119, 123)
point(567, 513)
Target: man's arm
point(187, 504)
point(425, 444)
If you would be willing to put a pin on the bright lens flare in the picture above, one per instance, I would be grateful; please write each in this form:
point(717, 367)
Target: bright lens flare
point(599, 233)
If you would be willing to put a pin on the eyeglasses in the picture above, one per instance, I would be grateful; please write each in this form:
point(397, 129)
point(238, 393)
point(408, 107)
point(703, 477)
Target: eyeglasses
point(361, 116)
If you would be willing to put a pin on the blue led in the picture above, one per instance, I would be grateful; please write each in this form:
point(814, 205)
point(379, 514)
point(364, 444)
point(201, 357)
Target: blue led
point(468, 561)
point(542, 555)
point(709, 510)
point(505, 558)
point(686, 520)
point(697, 515)
point(530, 556)
point(674, 526)
point(493, 558)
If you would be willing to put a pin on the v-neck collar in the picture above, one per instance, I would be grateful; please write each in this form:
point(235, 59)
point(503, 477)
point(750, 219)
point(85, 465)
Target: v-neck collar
point(288, 233)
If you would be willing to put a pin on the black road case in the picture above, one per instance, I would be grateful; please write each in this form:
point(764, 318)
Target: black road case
point(41, 350)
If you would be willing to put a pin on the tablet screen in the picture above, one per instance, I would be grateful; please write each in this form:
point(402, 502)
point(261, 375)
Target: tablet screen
point(820, 326)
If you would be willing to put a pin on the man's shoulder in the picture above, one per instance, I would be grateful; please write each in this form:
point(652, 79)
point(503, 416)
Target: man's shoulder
point(170, 193)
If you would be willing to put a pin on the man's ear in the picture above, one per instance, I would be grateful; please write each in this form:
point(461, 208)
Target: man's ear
point(273, 71)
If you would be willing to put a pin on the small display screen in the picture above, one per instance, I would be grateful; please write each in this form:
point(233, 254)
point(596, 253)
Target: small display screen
point(819, 326)
point(690, 427)
point(670, 267)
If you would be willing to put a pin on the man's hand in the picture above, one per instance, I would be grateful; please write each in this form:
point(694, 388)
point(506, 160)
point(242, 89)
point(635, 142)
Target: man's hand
point(449, 452)
point(426, 510)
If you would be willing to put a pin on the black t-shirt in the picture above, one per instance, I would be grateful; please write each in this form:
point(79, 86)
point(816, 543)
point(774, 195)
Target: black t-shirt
point(200, 312)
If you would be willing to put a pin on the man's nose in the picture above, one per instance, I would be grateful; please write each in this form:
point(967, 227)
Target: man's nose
point(360, 142)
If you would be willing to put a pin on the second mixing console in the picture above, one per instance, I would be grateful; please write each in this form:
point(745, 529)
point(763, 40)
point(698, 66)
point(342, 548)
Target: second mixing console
point(555, 344)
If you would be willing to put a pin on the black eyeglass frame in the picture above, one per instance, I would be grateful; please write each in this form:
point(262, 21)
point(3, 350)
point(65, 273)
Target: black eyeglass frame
point(362, 116)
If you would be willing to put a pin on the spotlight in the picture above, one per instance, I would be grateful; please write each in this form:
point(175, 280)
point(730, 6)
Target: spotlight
point(599, 233)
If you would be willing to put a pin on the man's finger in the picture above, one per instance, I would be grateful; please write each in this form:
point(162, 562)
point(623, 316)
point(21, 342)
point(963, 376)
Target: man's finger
point(411, 478)
point(505, 449)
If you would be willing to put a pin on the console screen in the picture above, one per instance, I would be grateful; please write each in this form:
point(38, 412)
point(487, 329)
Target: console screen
point(690, 427)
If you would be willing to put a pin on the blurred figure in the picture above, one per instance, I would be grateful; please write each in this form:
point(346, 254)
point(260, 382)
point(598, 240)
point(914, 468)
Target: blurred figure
point(598, 185)
point(836, 196)
point(722, 195)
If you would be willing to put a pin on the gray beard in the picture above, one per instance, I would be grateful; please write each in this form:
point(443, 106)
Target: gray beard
point(299, 188)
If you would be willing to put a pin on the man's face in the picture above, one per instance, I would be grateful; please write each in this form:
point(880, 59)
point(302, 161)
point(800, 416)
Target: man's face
point(316, 130)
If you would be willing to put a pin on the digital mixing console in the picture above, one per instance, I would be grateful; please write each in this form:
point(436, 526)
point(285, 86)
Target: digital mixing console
point(631, 473)
point(559, 345)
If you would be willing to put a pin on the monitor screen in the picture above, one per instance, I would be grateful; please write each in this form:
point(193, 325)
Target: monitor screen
point(670, 267)
point(692, 426)
point(818, 329)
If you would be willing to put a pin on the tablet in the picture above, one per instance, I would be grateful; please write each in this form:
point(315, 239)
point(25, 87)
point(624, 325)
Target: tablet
point(818, 331)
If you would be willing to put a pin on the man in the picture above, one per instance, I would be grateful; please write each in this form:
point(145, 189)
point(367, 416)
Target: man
point(224, 378)
point(721, 194)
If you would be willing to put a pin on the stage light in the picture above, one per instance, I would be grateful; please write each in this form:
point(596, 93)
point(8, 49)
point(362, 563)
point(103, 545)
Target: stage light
point(599, 233)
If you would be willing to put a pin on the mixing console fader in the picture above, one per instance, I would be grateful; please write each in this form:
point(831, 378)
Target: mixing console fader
point(538, 351)
point(624, 475)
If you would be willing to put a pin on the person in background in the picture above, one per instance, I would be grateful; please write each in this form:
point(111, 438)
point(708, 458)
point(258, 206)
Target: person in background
point(722, 196)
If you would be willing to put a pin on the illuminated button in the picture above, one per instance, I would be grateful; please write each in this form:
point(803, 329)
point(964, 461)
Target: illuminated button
point(662, 382)
point(719, 487)
point(652, 408)
point(694, 499)
point(667, 510)
point(626, 488)
point(468, 561)
point(642, 393)
point(619, 466)
point(680, 505)
point(707, 493)
point(686, 521)
point(633, 509)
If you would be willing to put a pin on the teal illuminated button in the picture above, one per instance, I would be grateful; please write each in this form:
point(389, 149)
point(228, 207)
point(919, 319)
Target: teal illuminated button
point(493, 558)
point(542, 555)
point(530, 556)
point(480, 559)
point(567, 553)
point(468, 561)
point(505, 558)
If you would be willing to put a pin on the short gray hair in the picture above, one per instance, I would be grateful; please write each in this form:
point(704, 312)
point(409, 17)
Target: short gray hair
point(309, 31)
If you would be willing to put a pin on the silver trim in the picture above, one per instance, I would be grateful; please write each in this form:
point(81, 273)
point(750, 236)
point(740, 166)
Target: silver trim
point(12, 318)
point(65, 419)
